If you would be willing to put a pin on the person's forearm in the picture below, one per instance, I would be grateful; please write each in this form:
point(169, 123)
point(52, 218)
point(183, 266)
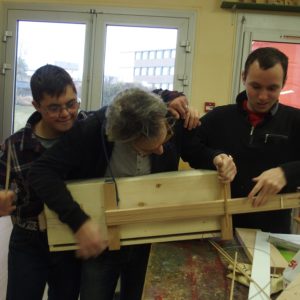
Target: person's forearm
point(46, 180)
point(292, 173)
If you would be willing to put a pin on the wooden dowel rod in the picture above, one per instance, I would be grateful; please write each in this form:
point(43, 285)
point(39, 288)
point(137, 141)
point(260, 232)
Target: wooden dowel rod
point(228, 257)
point(226, 203)
point(8, 167)
point(233, 276)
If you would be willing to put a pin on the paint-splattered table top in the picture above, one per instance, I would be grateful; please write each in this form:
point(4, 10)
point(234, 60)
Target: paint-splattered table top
point(191, 270)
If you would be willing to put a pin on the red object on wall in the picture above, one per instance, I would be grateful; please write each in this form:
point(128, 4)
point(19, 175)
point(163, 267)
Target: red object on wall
point(209, 106)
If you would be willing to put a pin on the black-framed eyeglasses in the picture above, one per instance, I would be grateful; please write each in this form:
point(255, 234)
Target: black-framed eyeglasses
point(170, 123)
point(56, 109)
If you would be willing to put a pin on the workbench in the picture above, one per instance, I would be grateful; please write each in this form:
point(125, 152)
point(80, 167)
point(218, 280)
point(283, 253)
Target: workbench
point(191, 270)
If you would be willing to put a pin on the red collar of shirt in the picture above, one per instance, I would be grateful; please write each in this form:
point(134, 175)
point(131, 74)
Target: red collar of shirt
point(254, 118)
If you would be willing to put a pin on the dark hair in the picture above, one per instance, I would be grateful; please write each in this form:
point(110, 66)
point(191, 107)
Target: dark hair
point(267, 58)
point(51, 80)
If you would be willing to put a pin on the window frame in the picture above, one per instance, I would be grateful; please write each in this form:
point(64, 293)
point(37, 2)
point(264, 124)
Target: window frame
point(259, 27)
point(96, 19)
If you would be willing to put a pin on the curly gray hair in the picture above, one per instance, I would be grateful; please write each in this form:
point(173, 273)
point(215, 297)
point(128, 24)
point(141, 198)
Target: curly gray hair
point(135, 113)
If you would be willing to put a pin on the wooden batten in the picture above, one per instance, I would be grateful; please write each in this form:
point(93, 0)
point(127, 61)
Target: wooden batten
point(226, 219)
point(110, 202)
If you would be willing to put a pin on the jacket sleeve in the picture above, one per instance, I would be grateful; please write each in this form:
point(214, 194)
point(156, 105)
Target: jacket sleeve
point(47, 175)
point(292, 167)
point(292, 173)
point(195, 146)
point(167, 95)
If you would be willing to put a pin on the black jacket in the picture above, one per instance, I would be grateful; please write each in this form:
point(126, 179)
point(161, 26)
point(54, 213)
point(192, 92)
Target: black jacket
point(80, 154)
point(274, 142)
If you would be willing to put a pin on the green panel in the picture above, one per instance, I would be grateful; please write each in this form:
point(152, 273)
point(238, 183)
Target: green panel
point(287, 254)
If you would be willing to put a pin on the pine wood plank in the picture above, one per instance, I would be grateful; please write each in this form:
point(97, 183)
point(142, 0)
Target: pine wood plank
point(110, 202)
point(292, 291)
point(143, 192)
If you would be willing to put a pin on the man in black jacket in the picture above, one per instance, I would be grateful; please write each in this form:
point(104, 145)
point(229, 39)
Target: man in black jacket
point(261, 135)
point(133, 136)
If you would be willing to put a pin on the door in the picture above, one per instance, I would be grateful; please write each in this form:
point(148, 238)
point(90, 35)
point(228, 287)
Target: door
point(37, 38)
point(282, 32)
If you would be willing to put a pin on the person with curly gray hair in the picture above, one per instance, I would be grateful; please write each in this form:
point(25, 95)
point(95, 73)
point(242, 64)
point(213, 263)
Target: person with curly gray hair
point(133, 136)
point(133, 114)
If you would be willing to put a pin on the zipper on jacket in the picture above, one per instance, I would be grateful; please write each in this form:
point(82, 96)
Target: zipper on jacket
point(281, 136)
point(251, 135)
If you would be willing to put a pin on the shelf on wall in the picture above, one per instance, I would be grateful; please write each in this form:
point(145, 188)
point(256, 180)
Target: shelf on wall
point(259, 6)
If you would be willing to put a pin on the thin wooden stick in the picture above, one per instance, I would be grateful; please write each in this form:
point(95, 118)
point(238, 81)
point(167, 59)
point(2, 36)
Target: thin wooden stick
point(8, 168)
point(233, 276)
point(226, 203)
point(228, 257)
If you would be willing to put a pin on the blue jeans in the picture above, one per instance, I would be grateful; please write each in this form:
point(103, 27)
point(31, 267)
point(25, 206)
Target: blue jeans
point(100, 275)
point(31, 266)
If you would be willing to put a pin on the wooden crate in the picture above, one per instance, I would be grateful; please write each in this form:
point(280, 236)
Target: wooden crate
point(155, 190)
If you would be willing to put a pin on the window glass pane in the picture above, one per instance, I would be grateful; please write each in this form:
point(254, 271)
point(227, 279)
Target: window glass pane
point(164, 86)
point(151, 71)
point(290, 94)
point(166, 70)
point(145, 55)
point(138, 55)
point(159, 54)
point(166, 53)
point(41, 43)
point(144, 71)
point(157, 71)
point(152, 55)
point(130, 47)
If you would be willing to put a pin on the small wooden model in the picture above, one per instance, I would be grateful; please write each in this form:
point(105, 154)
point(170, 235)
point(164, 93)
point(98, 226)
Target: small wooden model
point(158, 207)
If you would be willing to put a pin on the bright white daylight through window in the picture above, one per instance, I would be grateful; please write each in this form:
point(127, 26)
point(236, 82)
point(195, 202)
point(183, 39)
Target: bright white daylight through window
point(133, 53)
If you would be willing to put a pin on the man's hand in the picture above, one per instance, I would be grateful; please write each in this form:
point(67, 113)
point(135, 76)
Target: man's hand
point(91, 242)
point(225, 166)
point(7, 202)
point(179, 108)
point(268, 183)
point(191, 119)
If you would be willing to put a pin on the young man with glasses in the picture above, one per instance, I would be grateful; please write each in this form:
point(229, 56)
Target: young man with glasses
point(31, 265)
point(132, 137)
